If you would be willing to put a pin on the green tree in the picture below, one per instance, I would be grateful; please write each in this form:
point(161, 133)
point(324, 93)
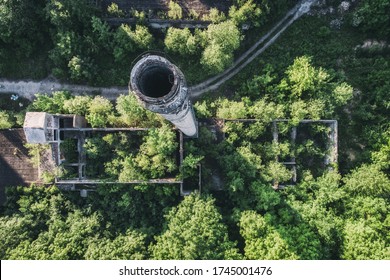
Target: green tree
point(224, 34)
point(99, 112)
point(190, 165)
point(267, 237)
point(66, 45)
point(127, 41)
point(132, 114)
point(278, 172)
point(78, 105)
point(128, 246)
point(220, 41)
point(266, 111)
point(53, 103)
point(5, 120)
point(29, 211)
point(316, 108)
point(203, 109)
point(21, 25)
point(64, 239)
point(102, 33)
point(263, 241)
point(372, 210)
point(259, 84)
point(114, 11)
point(215, 60)
point(247, 11)
point(126, 207)
point(69, 14)
point(238, 170)
point(123, 42)
point(264, 196)
point(129, 170)
point(321, 202)
point(381, 155)
point(304, 78)
point(78, 39)
point(366, 230)
point(232, 109)
point(180, 41)
point(362, 242)
point(14, 229)
point(142, 37)
point(81, 69)
point(342, 93)
point(373, 16)
point(155, 156)
point(96, 148)
point(194, 230)
point(175, 11)
point(215, 16)
point(298, 111)
point(368, 180)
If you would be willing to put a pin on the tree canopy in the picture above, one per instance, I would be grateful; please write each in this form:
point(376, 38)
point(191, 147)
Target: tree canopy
point(270, 187)
point(194, 230)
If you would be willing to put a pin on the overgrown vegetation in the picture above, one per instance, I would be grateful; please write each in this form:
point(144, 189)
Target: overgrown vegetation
point(322, 67)
point(12, 110)
point(98, 111)
point(126, 157)
point(82, 48)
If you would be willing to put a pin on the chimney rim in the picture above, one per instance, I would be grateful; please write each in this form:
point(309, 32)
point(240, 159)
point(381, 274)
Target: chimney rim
point(143, 65)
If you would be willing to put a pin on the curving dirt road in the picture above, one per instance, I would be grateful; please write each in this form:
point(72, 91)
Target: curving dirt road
point(28, 89)
point(260, 46)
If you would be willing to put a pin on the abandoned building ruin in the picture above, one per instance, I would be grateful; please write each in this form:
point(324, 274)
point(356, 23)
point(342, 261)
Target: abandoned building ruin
point(160, 87)
point(44, 128)
point(328, 161)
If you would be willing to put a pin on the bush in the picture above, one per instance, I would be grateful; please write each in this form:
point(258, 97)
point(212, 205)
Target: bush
point(53, 104)
point(99, 112)
point(175, 11)
point(5, 120)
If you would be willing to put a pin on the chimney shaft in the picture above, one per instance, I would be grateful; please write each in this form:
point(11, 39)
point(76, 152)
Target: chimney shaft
point(160, 86)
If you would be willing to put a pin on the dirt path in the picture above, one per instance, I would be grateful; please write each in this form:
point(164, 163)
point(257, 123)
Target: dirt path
point(260, 46)
point(28, 89)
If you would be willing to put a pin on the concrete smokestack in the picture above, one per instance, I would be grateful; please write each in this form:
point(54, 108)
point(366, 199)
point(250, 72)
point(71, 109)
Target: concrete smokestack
point(161, 88)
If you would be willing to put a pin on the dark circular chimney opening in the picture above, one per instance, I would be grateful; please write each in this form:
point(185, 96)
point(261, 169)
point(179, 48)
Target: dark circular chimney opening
point(156, 81)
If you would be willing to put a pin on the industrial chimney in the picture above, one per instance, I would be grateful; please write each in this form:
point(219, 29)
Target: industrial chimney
point(161, 88)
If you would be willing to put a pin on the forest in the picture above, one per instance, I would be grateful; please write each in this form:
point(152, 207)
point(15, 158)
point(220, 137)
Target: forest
point(331, 64)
